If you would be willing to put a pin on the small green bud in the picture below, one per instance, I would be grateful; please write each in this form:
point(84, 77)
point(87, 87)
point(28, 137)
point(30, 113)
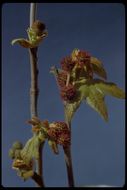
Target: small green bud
point(38, 27)
point(17, 145)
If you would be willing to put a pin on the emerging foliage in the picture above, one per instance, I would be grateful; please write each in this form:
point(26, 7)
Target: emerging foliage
point(35, 34)
point(70, 109)
point(98, 67)
point(56, 133)
point(76, 83)
point(24, 157)
point(30, 150)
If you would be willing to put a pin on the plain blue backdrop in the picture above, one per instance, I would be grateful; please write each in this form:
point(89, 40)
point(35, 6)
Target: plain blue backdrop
point(98, 148)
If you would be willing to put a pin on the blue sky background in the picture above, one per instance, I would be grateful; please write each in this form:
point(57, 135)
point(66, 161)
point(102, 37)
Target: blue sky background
point(98, 148)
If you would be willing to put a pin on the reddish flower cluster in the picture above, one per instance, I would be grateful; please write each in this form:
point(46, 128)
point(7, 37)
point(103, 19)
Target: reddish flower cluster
point(79, 57)
point(62, 78)
point(81, 61)
point(83, 58)
point(67, 64)
point(83, 54)
point(60, 133)
point(68, 93)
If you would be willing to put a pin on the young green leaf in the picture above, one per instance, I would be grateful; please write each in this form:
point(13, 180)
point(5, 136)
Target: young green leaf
point(110, 89)
point(29, 44)
point(106, 88)
point(70, 109)
point(84, 90)
point(98, 67)
point(23, 42)
point(17, 145)
point(94, 91)
point(30, 150)
point(96, 100)
point(26, 174)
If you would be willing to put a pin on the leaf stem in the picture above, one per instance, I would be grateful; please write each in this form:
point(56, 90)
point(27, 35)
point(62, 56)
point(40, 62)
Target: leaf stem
point(68, 159)
point(34, 92)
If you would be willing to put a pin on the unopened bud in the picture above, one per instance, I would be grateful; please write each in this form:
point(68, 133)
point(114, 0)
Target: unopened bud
point(38, 27)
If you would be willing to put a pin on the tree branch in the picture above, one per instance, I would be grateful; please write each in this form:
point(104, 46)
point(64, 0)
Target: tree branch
point(34, 92)
point(38, 179)
point(33, 7)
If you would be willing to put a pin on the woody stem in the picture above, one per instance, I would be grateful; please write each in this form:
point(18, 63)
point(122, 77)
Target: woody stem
point(34, 92)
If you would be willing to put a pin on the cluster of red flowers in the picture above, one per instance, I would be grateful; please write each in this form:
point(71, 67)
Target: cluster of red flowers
point(57, 131)
point(67, 64)
point(78, 57)
point(83, 61)
point(62, 78)
point(60, 133)
point(68, 93)
point(80, 60)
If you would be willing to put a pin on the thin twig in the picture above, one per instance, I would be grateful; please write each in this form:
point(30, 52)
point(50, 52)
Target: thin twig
point(68, 157)
point(34, 92)
point(37, 178)
point(68, 160)
point(33, 7)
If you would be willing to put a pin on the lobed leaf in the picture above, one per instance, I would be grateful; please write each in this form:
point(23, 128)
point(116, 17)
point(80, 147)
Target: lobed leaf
point(94, 91)
point(98, 67)
point(111, 89)
point(84, 90)
point(106, 88)
point(95, 99)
